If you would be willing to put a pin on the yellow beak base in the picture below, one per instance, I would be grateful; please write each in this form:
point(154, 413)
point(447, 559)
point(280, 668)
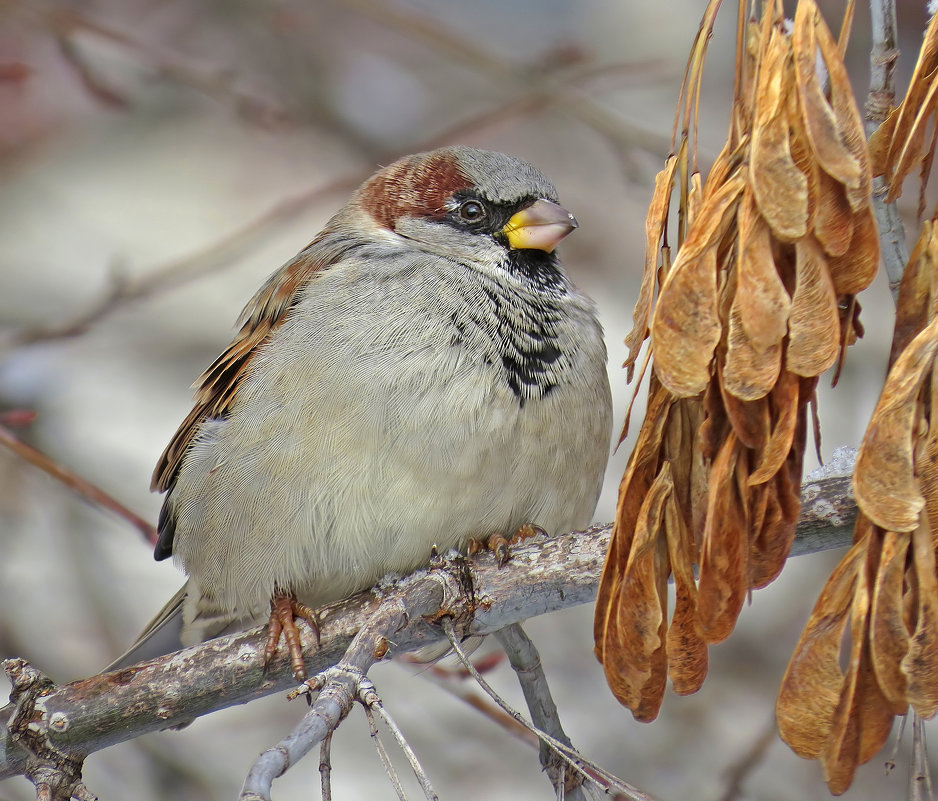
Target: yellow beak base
point(540, 226)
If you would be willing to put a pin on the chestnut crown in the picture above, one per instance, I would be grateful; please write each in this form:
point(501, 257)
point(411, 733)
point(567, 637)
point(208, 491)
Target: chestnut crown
point(461, 185)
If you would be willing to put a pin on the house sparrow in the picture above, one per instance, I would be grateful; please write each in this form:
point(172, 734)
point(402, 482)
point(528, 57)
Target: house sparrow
point(423, 373)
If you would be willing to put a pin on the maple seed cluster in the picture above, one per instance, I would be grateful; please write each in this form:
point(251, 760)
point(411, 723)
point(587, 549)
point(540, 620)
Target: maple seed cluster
point(885, 588)
point(757, 303)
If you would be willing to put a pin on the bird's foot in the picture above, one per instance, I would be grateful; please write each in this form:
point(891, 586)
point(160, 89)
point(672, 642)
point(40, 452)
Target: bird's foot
point(500, 545)
point(284, 609)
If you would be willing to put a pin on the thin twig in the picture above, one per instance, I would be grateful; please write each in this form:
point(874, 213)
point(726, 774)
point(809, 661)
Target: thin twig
point(433, 33)
point(340, 686)
point(17, 418)
point(383, 755)
point(890, 764)
point(235, 246)
point(919, 776)
point(215, 256)
point(884, 55)
point(574, 759)
point(325, 767)
point(80, 486)
point(93, 84)
point(217, 83)
point(526, 662)
point(456, 687)
point(372, 702)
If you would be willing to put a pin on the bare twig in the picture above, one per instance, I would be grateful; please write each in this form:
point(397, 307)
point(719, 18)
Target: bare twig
point(456, 686)
point(80, 486)
point(339, 687)
point(383, 755)
point(217, 83)
point(325, 767)
point(589, 770)
point(373, 706)
point(17, 418)
point(229, 249)
point(880, 101)
point(890, 762)
point(920, 788)
point(215, 256)
point(526, 662)
point(94, 85)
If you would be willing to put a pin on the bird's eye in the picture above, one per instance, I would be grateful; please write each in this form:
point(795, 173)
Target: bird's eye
point(471, 211)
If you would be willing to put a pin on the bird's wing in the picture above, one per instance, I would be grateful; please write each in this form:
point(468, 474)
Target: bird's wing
point(217, 387)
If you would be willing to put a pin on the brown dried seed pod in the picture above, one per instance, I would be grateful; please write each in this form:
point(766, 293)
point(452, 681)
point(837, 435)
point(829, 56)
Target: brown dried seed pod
point(779, 186)
point(814, 321)
point(884, 479)
point(828, 132)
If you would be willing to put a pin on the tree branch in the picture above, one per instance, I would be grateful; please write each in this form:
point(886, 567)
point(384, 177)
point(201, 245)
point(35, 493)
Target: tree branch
point(544, 575)
point(427, 595)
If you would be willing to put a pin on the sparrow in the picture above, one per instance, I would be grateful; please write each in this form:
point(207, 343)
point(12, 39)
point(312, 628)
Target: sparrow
point(423, 374)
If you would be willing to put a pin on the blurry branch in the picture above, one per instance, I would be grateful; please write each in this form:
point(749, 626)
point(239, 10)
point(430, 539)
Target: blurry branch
point(221, 253)
point(430, 32)
point(65, 22)
point(80, 486)
point(217, 255)
point(93, 83)
point(543, 576)
point(737, 773)
point(880, 101)
point(219, 83)
point(453, 683)
point(535, 91)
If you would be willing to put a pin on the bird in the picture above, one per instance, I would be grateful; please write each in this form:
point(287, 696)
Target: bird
point(423, 374)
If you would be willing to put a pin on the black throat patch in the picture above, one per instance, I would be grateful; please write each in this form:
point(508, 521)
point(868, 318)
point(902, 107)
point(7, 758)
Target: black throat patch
point(527, 325)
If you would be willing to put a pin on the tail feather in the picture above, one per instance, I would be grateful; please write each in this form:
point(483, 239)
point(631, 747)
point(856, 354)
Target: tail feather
point(189, 617)
point(162, 636)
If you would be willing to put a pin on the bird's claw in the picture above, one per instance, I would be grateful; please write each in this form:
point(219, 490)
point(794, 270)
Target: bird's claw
point(284, 609)
point(500, 546)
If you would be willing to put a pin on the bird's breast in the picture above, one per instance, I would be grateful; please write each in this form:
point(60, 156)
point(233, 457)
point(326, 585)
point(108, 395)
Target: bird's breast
point(381, 420)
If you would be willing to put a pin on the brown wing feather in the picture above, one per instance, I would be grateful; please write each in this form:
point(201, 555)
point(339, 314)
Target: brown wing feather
point(217, 387)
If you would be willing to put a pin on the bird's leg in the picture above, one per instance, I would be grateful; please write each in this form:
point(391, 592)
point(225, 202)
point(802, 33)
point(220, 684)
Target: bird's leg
point(284, 609)
point(499, 544)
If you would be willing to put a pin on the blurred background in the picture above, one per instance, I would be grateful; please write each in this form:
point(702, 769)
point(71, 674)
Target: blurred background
point(159, 158)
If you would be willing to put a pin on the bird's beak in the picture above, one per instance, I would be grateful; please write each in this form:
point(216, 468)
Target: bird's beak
point(541, 225)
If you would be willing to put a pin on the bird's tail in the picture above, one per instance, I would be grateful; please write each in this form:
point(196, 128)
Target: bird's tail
point(163, 634)
point(189, 617)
